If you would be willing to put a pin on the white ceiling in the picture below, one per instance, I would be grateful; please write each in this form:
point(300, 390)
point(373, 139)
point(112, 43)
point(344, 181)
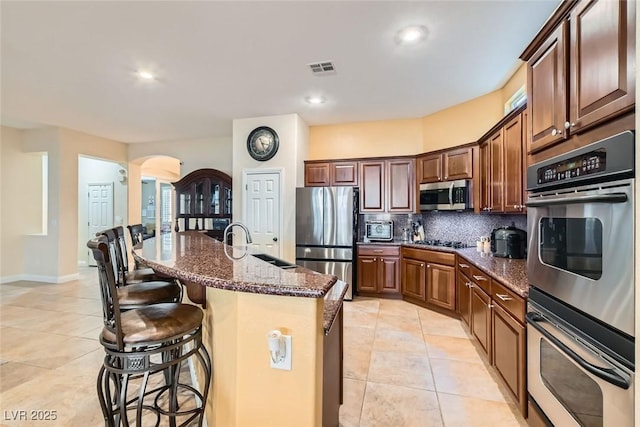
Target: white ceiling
point(72, 64)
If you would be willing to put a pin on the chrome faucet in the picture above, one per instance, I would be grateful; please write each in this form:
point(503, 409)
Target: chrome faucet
point(228, 231)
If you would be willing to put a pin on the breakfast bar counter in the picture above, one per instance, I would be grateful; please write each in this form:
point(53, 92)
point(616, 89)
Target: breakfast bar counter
point(243, 298)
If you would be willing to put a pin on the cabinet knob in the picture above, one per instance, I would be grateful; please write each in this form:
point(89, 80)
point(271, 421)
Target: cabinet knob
point(275, 239)
point(428, 266)
point(490, 306)
point(446, 177)
point(554, 131)
point(421, 265)
point(568, 125)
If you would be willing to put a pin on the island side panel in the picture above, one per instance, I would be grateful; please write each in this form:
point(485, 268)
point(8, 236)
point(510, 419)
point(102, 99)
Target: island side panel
point(245, 390)
point(269, 396)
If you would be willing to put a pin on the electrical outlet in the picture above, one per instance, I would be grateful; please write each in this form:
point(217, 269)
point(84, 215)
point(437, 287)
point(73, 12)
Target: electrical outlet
point(285, 363)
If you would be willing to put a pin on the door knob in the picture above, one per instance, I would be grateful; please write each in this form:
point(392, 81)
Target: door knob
point(275, 239)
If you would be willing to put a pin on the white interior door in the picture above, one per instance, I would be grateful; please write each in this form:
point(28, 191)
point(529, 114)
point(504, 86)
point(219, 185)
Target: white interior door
point(100, 211)
point(262, 210)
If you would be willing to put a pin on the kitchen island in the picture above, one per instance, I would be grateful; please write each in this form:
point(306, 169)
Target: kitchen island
point(243, 299)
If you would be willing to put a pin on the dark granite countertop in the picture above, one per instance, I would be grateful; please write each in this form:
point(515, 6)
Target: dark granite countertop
point(197, 258)
point(510, 272)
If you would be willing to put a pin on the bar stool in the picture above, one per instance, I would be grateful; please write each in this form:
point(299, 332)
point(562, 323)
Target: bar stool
point(144, 341)
point(138, 293)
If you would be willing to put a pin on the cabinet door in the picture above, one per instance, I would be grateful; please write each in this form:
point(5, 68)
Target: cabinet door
point(367, 274)
point(372, 186)
point(441, 286)
point(389, 275)
point(414, 279)
point(317, 174)
point(526, 143)
point(496, 172)
point(430, 168)
point(481, 318)
point(344, 174)
point(602, 61)
point(402, 185)
point(464, 298)
point(509, 353)
point(547, 90)
point(458, 164)
point(485, 177)
point(512, 132)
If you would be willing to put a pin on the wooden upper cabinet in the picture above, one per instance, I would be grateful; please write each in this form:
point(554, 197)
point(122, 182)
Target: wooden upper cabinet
point(458, 164)
point(513, 168)
point(448, 166)
point(372, 186)
point(401, 192)
point(430, 168)
point(317, 175)
point(325, 174)
point(485, 177)
point(547, 90)
point(602, 61)
point(344, 174)
point(581, 73)
point(496, 171)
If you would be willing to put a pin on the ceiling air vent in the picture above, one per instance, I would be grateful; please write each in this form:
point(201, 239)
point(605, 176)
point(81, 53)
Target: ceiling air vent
point(322, 68)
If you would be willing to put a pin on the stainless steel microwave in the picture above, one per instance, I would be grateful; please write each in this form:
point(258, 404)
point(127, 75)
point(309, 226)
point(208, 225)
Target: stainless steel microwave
point(446, 196)
point(379, 231)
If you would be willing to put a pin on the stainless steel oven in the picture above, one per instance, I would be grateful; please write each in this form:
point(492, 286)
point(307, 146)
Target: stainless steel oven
point(581, 271)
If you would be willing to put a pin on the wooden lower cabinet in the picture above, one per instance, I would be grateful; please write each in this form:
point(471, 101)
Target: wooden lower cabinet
point(495, 316)
point(464, 298)
point(509, 353)
point(414, 279)
point(441, 286)
point(428, 278)
point(379, 270)
point(481, 319)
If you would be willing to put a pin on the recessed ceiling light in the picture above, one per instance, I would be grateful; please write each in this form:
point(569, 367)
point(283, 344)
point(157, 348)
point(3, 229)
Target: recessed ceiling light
point(315, 100)
point(411, 35)
point(146, 75)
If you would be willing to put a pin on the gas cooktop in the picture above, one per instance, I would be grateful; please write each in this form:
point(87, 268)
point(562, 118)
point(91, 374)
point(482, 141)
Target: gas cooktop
point(446, 243)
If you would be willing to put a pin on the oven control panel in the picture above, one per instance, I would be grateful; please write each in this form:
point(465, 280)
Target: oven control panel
point(575, 167)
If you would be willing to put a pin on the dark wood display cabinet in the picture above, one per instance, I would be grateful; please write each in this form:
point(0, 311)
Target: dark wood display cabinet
point(203, 202)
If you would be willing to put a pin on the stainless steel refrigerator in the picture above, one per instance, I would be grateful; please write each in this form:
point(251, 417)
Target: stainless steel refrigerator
point(326, 230)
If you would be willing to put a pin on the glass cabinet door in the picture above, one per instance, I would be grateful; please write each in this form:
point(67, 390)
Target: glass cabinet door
point(185, 203)
point(199, 198)
point(215, 199)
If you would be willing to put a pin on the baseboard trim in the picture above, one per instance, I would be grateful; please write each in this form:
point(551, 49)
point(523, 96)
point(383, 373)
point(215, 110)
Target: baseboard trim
point(39, 278)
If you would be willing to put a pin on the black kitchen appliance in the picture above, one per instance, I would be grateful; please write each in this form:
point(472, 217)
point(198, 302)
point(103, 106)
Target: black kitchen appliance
point(509, 242)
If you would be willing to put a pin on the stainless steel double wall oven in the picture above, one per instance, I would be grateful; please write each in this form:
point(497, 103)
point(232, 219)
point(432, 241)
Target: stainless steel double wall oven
point(581, 335)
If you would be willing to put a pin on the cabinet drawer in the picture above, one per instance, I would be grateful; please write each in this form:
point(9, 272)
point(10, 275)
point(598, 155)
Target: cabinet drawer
point(426, 255)
point(512, 303)
point(379, 250)
point(481, 279)
point(464, 266)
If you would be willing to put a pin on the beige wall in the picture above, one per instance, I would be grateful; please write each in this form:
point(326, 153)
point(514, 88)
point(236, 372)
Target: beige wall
point(462, 123)
point(292, 133)
point(365, 139)
point(54, 257)
point(13, 202)
point(516, 81)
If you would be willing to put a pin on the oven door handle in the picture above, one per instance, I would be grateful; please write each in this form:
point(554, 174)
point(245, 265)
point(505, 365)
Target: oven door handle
point(595, 198)
point(609, 375)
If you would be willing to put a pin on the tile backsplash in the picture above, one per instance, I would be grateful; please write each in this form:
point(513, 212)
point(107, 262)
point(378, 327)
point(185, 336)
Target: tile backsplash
point(466, 227)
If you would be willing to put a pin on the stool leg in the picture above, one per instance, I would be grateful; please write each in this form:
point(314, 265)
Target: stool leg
point(143, 388)
point(203, 356)
point(123, 400)
point(105, 401)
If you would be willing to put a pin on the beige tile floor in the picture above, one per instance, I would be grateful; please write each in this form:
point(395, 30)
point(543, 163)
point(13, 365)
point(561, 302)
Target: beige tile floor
point(404, 365)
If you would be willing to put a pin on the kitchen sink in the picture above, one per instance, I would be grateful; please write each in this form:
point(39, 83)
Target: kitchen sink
point(275, 261)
